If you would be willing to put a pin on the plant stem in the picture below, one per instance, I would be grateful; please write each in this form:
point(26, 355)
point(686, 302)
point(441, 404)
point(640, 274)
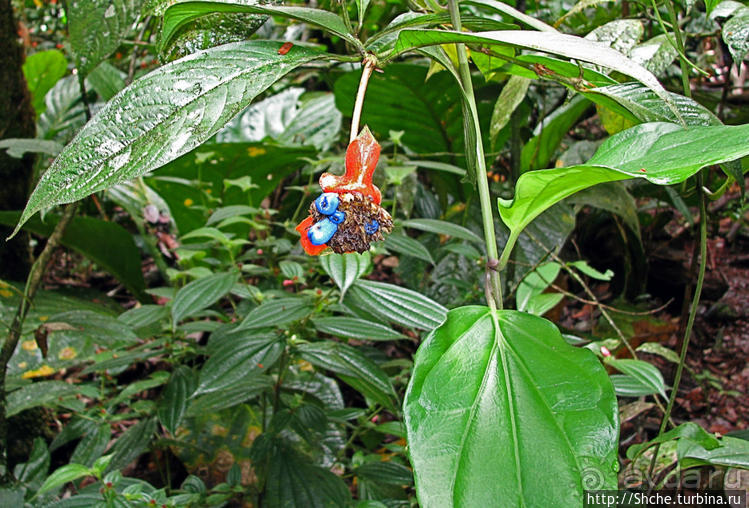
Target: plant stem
point(495, 301)
point(368, 65)
point(33, 282)
point(680, 47)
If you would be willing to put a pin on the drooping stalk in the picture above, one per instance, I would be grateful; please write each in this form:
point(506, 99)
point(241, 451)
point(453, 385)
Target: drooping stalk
point(703, 254)
point(33, 282)
point(368, 65)
point(494, 294)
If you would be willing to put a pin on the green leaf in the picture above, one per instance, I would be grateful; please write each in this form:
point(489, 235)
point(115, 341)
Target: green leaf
point(513, 13)
point(408, 246)
point(612, 197)
point(106, 243)
point(242, 390)
point(388, 473)
point(17, 147)
point(496, 397)
point(93, 444)
point(355, 328)
point(534, 284)
point(202, 293)
point(96, 28)
point(107, 80)
point(540, 148)
point(181, 13)
point(510, 97)
point(628, 386)
point(688, 430)
point(42, 70)
point(276, 313)
point(656, 54)
point(355, 369)
point(441, 227)
point(161, 116)
point(646, 373)
point(41, 393)
point(591, 272)
point(569, 46)
point(736, 35)
point(173, 401)
point(34, 471)
point(646, 106)
point(661, 153)
point(63, 475)
point(620, 34)
point(131, 444)
point(345, 269)
point(396, 304)
point(732, 452)
point(656, 348)
point(234, 357)
point(64, 113)
point(293, 482)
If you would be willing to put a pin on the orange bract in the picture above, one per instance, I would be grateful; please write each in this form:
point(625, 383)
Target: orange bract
point(361, 159)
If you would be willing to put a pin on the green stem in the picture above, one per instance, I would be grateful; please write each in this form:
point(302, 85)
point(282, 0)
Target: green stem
point(480, 170)
point(680, 47)
point(9, 346)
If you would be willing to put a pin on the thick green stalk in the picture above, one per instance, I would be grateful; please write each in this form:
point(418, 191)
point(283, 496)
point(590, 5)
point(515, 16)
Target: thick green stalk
point(480, 170)
point(680, 47)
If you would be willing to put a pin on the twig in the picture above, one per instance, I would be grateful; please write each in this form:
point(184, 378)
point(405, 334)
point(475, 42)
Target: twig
point(32, 286)
point(369, 65)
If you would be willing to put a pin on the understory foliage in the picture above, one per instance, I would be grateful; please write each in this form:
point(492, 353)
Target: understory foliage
point(185, 350)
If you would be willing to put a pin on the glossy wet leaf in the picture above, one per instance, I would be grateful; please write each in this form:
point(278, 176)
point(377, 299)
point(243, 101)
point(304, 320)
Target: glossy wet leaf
point(620, 34)
point(42, 70)
point(36, 394)
point(736, 34)
point(496, 398)
point(646, 373)
point(510, 97)
point(732, 452)
point(688, 430)
point(396, 304)
point(181, 13)
point(96, 29)
point(662, 153)
point(565, 45)
point(355, 328)
point(202, 293)
point(345, 269)
point(177, 392)
point(161, 116)
point(236, 356)
point(355, 369)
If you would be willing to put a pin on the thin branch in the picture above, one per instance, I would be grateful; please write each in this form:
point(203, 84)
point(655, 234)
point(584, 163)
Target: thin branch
point(368, 65)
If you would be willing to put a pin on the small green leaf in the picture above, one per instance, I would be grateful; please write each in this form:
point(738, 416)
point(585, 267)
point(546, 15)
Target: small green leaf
point(353, 368)
point(276, 313)
point(646, 373)
point(396, 304)
point(688, 430)
point(107, 80)
point(510, 97)
point(41, 393)
point(42, 70)
point(18, 147)
point(63, 475)
point(236, 356)
point(34, 470)
point(656, 348)
point(408, 246)
point(591, 272)
point(441, 227)
point(173, 402)
point(536, 283)
point(242, 390)
point(732, 452)
point(736, 35)
point(388, 473)
point(93, 444)
point(345, 269)
point(355, 328)
point(200, 294)
point(131, 444)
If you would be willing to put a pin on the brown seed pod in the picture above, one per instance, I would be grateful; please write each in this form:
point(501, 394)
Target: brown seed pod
point(352, 234)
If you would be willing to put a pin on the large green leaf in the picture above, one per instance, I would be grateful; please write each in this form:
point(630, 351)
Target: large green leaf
point(42, 70)
point(496, 398)
point(662, 153)
point(183, 12)
point(96, 28)
point(39, 394)
point(565, 45)
point(161, 116)
point(107, 244)
point(353, 368)
point(355, 328)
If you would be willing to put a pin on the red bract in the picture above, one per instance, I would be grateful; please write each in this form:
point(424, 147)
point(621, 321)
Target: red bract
point(361, 159)
point(312, 250)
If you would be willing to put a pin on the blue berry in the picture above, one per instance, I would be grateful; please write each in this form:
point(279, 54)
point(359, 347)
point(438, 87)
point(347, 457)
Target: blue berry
point(327, 203)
